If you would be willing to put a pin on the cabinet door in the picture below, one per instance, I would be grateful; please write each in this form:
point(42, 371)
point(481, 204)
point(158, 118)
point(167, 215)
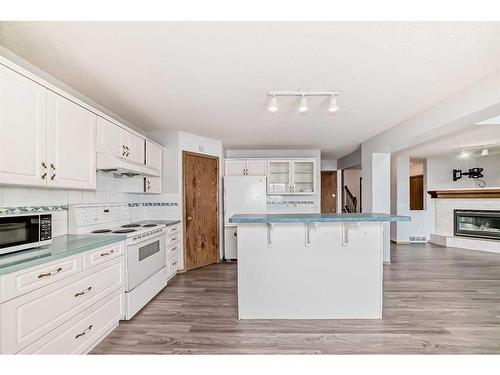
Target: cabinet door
point(279, 177)
point(71, 144)
point(22, 130)
point(153, 155)
point(234, 167)
point(109, 138)
point(152, 185)
point(304, 177)
point(256, 167)
point(135, 148)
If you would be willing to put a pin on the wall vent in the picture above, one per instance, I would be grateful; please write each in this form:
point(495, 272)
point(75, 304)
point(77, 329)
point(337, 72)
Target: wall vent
point(418, 239)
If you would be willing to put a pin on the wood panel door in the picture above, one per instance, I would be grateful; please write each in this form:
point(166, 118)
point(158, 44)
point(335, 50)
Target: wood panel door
point(201, 210)
point(328, 192)
point(417, 192)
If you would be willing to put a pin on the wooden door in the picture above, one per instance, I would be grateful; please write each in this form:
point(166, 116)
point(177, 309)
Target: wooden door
point(417, 192)
point(71, 144)
point(328, 192)
point(23, 132)
point(201, 210)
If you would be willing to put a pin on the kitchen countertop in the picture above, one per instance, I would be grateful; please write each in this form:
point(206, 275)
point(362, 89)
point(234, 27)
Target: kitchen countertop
point(61, 247)
point(167, 223)
point(313, 218)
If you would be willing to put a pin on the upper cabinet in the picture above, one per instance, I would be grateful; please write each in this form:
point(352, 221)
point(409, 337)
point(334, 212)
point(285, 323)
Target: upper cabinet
point(114, 140)
point(23, 130)
point(153, 155)
point(46, 140)
point(291, 177)
point(71, 144)
point(245, 167)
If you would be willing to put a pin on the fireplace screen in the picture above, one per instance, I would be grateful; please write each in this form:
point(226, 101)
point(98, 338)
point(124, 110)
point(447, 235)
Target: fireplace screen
point(480, 224)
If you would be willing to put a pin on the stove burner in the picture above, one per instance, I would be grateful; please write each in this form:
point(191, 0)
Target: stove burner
point(101, 231)
point(149, 225)
point(131, 225)
point(124, 230)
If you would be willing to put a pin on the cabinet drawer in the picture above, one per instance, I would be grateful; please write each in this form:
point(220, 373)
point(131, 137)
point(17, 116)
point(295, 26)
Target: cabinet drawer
point(173, 266)
point(174, 250)
point(173, 239)
point(173, 229)
point(80, 334)
point(103, 254)
point(31, 316)
point(24, 281)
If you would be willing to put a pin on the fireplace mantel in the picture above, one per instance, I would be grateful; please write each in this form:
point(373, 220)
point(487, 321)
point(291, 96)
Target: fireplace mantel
point(465, 193)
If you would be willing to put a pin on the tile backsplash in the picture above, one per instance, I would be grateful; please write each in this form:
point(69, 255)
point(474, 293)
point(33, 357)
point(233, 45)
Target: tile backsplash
point(109, 190)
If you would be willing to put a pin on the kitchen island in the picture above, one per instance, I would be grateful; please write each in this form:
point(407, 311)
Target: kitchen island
point(310, 266)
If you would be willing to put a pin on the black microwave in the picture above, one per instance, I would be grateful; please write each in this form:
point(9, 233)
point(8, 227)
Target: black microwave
point(21, 232)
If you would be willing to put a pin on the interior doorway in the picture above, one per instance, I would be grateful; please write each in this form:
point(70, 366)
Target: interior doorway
point(200, 209)
point(328, 192)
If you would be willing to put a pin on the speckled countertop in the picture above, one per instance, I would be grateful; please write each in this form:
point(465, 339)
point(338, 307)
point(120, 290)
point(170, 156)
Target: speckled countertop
point(313, 218)
point(61, 247)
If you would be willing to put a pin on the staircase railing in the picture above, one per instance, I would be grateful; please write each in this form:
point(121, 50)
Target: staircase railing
point(351, 201)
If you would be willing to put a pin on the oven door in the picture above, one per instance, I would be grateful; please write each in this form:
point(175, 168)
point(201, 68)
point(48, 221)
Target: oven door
point(19, 232)
point(144, 259)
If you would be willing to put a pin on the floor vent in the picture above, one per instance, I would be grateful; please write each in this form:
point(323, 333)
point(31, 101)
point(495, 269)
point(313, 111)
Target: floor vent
point(418, 239)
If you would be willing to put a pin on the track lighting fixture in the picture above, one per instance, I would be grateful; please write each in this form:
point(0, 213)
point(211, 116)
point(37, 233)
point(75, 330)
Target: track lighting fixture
point(303, 105)
point(484, 152)
point(333, 105)
point(273, 104)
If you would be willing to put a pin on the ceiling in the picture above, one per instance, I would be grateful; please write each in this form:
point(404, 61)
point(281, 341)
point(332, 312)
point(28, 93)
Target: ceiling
point(472, 140)
point(211, 78)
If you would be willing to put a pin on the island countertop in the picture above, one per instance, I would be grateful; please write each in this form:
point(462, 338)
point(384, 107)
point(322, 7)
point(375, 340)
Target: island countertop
point(313, 218)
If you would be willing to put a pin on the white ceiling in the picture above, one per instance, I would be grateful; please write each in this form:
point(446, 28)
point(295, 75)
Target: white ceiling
point(472, 139)
point(211, 78)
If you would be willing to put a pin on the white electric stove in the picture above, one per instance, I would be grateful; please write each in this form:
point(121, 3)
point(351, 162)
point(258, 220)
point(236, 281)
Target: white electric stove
point(146, 257)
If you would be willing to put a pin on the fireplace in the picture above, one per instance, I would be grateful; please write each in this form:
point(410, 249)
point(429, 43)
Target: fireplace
point(477, 223)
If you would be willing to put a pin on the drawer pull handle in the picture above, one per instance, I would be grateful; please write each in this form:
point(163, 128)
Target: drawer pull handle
point(173, 239)
point(50, 273)
point(175, 263)
point(173, 249)
point(108, 253)
point(84, 292)
point(84, 332)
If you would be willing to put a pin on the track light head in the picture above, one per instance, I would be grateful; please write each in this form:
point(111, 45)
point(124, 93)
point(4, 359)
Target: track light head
point(333, 105)
point(303, 105)
point(273, 104)
point(485, 152)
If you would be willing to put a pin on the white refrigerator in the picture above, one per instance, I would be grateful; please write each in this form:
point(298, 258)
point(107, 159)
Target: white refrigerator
point(242, 195)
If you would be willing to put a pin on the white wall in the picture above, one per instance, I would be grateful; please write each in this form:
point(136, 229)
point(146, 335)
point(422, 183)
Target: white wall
point(328, 165)
point(440, 169)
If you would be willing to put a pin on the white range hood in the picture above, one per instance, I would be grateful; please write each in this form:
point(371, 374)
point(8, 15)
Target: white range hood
point(113, 164)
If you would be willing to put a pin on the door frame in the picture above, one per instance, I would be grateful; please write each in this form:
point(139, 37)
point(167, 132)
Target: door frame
point(183, 220)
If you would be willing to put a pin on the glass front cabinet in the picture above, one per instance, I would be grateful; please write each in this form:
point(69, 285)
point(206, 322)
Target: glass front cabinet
point(291, 177)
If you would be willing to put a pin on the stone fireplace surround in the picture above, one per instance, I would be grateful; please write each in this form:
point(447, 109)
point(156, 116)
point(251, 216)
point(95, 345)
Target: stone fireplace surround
point(444, 211)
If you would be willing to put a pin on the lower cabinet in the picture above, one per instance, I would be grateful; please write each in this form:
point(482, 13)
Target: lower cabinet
point(173, 250)
point(70, 315)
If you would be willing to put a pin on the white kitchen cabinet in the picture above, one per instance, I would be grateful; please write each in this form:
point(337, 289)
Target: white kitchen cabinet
point(71, 144)
point(114, 140)
point(23, 144)
point(152, 185)
point(245, 167)
point(291, 177)
point(153, 155)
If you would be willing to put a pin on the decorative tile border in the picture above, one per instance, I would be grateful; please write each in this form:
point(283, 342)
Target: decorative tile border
point(290, 203)
point(150, 204)
point(30, 209)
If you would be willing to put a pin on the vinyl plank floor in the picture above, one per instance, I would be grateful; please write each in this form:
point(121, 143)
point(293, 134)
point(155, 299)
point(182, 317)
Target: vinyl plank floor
point(437, 300)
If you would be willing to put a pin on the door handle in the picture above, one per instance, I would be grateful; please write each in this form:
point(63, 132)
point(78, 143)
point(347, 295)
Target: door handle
point(189, 218)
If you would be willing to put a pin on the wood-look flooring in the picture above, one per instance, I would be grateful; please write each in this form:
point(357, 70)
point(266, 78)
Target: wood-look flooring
point(436, 300)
